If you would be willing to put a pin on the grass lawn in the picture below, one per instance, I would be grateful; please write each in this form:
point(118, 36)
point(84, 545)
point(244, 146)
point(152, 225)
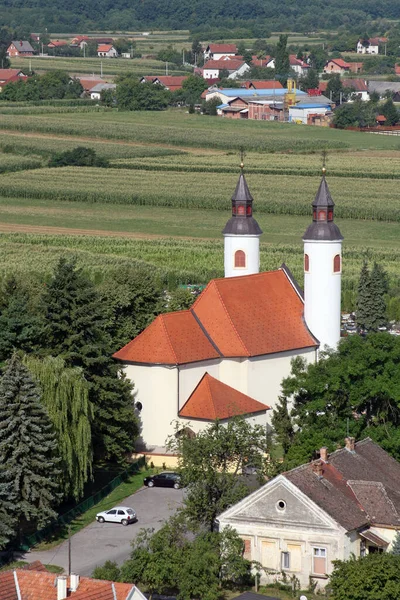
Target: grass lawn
point(17, 564)
point(128, 487)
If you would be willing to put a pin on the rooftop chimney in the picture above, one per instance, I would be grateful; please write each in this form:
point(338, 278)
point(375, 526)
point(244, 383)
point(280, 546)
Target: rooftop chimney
point(323, 453)
point(74, 582)
point(61, 587)
point(349, 443)
point(318, 468)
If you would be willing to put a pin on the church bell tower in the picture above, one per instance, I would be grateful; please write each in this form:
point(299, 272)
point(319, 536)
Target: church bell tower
point(241, 234)
point(323, 270)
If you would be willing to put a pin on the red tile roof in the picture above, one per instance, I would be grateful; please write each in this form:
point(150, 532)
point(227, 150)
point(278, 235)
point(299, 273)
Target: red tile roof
point(231, 65)
point(172, 82)
point(340, 63)
point(88, 84)
point(104, 47)
point(244, 316)
point(268, 84)
point(322, 85)
point(9, 74)
point(57, 43)
point(294, 61)
point(37, 585)
point(359, 85)
point(212, 399)
point(219, 48)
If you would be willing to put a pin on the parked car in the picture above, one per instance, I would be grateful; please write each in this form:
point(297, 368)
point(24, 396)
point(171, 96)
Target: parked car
point(118, 514)
point(164, 479)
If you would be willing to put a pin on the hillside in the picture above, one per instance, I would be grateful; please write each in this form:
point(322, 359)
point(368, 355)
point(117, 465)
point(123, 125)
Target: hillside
point(76, 16)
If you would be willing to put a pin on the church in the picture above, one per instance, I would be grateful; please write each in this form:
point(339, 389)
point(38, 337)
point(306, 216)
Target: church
point(228, 353)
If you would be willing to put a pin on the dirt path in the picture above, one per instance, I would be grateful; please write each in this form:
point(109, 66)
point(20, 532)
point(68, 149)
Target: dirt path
point(17, 228)
point(33, 134)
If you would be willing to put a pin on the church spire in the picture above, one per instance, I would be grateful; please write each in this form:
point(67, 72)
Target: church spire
point(323, 226)
point(241, 233)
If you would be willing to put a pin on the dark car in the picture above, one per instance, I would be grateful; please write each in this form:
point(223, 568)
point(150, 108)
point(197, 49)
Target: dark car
point(164, 479)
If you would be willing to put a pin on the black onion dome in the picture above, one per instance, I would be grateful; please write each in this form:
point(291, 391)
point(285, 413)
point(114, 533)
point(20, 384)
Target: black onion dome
point(323, 227)
point(242, 221)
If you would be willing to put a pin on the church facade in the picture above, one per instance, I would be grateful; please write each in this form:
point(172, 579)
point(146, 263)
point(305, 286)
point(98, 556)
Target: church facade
point(228, 353)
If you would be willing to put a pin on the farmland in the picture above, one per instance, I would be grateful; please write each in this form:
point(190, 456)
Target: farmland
point(171, 179)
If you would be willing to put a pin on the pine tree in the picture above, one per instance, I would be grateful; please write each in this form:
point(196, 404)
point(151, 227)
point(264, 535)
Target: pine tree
point(65, 394)
point(390, 112)
point(76, 331)
point(28, 450)
point(282, 424)
point(364, 299)
point(20, 327)
point(282, 64)
point(396, 544)
point(379, 287)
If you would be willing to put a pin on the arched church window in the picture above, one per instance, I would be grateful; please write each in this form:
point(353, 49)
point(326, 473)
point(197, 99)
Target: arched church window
point(248, 211)
point(321, 215)
point(306, 263)
point(241, 210)
point(240, 259)
point(330, 215)
point(336, 264)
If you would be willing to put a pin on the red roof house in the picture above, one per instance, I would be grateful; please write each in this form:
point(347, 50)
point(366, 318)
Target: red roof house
point(10, 75)
point(216, 51)
point(170, 82)
point(20, 48)
point(57, 43)
point(269, 84)
point(337, 65)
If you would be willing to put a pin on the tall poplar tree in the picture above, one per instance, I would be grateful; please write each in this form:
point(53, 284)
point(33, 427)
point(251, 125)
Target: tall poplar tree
point(28, 450)
point(364, 298)
point(379, 287)
point(76, 331)
point(282, 64)
point(65, 394)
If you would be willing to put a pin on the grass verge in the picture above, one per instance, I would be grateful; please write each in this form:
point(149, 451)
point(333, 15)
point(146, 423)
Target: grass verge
point(17, 564)
point(128, 487)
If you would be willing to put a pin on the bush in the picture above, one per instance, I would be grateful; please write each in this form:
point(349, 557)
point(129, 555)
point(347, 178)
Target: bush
point(78, 157)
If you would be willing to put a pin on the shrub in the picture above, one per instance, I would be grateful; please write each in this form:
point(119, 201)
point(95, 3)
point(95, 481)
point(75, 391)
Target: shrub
point(78, 157)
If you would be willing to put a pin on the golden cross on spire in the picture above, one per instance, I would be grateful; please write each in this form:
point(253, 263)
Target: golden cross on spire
point(324, 155)
point(242, 154)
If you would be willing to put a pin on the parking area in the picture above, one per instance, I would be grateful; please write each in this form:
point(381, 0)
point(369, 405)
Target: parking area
point(99, 542)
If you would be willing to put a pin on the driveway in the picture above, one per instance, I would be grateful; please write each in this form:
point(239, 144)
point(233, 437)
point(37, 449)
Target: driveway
point(99, 542)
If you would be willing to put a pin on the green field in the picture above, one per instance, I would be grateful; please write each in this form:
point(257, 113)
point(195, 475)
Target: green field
point(170, 181)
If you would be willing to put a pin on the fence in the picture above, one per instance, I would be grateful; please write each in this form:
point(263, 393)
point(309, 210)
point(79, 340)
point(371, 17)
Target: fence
point(42, 534)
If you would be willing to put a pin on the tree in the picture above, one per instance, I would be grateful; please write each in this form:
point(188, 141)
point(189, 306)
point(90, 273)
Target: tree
point(310, 81)
point(65, 395)
point(373, 577)
point(396, 544)
point(6, 37)
point(110, 571)
point(133, 95)
point(196, 52)
point(78, 157)
point(211, 462)
point(334, 89)
point(282, 64)
point(390, 112)
point(192, 88)
point(180, 299)
point(21, 327)
point(210, 107)
point(371, 305)
point(364, 298)
point(29, 472)
point(282, 424)
point(354, 390)
point(76, 331)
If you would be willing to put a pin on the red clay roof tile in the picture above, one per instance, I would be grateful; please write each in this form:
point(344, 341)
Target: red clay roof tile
point(212, 399)
point(219, 48)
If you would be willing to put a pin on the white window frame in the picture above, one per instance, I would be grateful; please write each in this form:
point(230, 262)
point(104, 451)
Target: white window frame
point(285, 560)
point(319, 552)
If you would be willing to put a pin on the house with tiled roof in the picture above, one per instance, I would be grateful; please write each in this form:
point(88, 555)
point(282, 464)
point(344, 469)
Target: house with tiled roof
point(20, 48)
point(106, 51)
point(235, 67)
point(228, 353)
point(34, 582)
point(341, 504)
point(10, 76)
point(370, 45)
point(57, 44)
point(169, 82)
point(337, 66)
point(217, 51)
point(300, 67)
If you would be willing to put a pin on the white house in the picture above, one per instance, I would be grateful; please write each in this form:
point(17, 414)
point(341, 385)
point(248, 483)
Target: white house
point(234, 346)
point(95, 92)
point(344, 503)
point(370, 46)
point(236, 68)
point(106, 51)
point(300, 67)
point(217, 51)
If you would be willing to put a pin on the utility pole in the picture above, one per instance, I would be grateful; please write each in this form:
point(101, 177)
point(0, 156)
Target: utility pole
point(166, 68)
point(183, 56)
point(42, 48)
point(69, 550)
point(84, 50)
point(101, 69)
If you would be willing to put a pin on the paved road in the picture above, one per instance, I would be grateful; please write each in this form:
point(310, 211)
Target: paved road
point(99, 542)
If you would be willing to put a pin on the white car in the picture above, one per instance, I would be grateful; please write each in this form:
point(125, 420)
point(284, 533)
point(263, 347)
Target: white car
point(118, 514)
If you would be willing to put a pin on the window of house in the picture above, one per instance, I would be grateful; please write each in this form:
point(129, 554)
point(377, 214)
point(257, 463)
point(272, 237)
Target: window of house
point(248, 211)
point(306, 263)
point(285, 560)
point(240, 259)
point(247, 549)
point(319, 561)
point(330, 215)
point(336, 264)
point(321, 215)
point(241, 210)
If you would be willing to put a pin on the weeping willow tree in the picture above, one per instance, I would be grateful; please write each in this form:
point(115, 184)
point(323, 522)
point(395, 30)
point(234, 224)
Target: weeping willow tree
point(65, 394)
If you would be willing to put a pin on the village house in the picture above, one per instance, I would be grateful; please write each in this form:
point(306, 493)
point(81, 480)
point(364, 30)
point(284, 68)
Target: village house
point(236, 68)
point(9, 76)
point(88, 83)
point(359, 86)
point(169, 82)
point(382, 87)
point(306, 112)
point(342, 504)
point(35, 582)
point(298, 66)
point(57, 44)
point(20, 48)
point(106, 51)
point(217, 51)
point(371, 45)
point(268, 84)
point(339, 66)
point(257, 61)
point(243, 330)
point(95, 91)
point(80, 41)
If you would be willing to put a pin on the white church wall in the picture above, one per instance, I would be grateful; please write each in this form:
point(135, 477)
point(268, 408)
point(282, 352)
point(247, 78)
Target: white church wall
point(196, 425)
point(265, 374)
point(233, 372)
point(156, 388)
point(250, 244)
point(190, 375)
